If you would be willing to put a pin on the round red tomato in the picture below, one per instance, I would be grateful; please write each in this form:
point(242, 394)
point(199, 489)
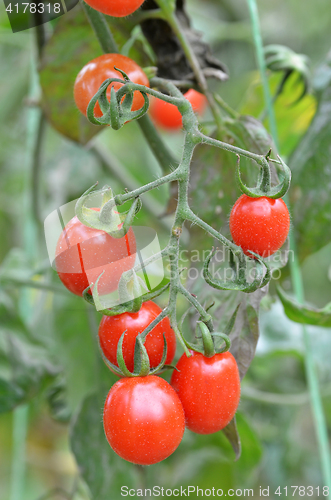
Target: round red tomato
point(167, 116)
point(97, 71)
point(209, 389)
point(116, 8)
point(143, 419)
point(112, 327)
point(259, 224)
point(83, 253)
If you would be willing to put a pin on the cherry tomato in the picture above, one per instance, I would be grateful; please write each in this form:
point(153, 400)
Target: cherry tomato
point(143, 419)
point(83, 253)
point(167, 116)
point(116, 8)
point(209, 389)
point(94, 73)
point(259, 224)
point(112, 327)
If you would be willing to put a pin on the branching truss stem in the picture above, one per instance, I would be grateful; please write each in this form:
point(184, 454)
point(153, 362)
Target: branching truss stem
point(183, 213)
point(181, 174)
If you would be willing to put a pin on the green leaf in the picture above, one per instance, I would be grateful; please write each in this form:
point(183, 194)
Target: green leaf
point(103, 471)
point(251, 448)
point(231, 432)
point(304, 314)
point(246, 334)
point(311, 177)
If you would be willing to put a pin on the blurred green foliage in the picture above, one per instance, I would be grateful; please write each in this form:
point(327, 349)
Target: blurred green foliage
point(50, 358)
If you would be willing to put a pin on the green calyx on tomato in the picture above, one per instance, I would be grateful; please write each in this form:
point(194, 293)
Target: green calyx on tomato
point(239, 281)
point(106, 218)
point(210, 342)
point(103, 90)
point(263, 187)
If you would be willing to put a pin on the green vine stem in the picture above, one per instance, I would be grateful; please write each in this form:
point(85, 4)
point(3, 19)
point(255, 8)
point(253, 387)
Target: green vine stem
point(20, 419)
point(311, 374)
point(101, 29)
point(36, 169)
point(117, 112)
point(181, 174)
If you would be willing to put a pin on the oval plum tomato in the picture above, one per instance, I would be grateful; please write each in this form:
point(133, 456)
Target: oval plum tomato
point(94, 73)
point(112, 327)
point(115, 8)
point(167, 116)
point(143, 419)
point(259, 224)
point(83, 253)
point(209, 389)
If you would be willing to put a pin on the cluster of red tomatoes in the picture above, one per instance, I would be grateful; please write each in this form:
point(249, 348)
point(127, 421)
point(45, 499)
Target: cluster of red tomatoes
point(145, 417)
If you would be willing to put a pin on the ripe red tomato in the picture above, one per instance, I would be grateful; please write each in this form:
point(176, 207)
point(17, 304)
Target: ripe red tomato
point(112, 327)
point(167, 116)
point(94, 73)
point(209, 389)
point(143, 419)
point(116, 8)
point(259, 224)
point(82, 253)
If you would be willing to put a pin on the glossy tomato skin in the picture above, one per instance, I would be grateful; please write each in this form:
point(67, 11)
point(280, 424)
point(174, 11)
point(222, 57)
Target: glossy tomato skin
point(94, 73)
point(112, 327)
point(209, 390)
point(83, 253)
point(115, 8)
point(167, 116)
point(259, 224)
point(143, 419)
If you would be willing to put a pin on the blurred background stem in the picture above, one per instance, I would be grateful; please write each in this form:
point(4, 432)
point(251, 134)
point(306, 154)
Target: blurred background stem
point(20, 424)
point(29, 222)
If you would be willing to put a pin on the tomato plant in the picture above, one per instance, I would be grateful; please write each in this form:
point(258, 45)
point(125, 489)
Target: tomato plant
point(143, 419)
point(167, 116)
point(112, 327)
point(83, 253)
point(259, 224)
point(116, 8)
point(209, 389)
point(94, 73)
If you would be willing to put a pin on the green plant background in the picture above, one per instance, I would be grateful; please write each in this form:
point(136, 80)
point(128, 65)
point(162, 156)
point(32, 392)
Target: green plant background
point(48, 354)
